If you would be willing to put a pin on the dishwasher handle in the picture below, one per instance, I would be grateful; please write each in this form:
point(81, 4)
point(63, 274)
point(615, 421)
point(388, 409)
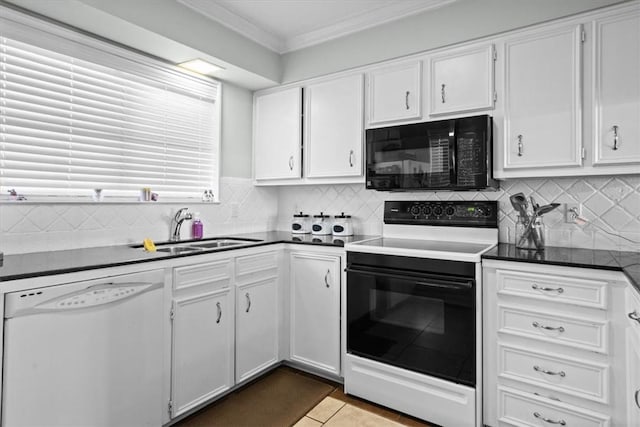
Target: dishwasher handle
point(91, 296)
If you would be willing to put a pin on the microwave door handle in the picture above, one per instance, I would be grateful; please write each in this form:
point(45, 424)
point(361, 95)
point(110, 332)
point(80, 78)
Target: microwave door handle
point(425, 280)
point(452, 155)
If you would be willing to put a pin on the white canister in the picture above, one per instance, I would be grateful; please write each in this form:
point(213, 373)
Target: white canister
point(321, 225)
point(301, 224)
point(342, 225)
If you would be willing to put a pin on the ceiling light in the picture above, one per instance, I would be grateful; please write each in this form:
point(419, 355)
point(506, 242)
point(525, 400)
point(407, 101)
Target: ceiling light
point(200, 66)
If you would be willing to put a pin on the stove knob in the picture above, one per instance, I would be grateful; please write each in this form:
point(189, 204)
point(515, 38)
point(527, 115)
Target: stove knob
point(437, 210)
point(426, 210)
point(415, 210)
point(449, 211)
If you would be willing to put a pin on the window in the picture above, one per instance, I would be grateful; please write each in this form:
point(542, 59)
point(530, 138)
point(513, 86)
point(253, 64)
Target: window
point(78, 114)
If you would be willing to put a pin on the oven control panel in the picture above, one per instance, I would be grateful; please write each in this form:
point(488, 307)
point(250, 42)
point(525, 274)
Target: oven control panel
point(442, 213)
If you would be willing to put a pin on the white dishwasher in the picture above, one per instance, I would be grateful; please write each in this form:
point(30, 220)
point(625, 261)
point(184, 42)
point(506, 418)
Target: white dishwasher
point(85, 353)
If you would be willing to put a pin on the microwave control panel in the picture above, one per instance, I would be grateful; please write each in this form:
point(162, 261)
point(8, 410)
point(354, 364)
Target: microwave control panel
point(442, 213)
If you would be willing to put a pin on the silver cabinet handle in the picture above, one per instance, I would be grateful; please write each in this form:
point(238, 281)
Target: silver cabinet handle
point(544, 371)
point(549, 420)
point(548, 397)
point(615, 137)
point(406, 100)
point(290, 162)
point(548, 328)
point(351, 153)
point(248, 301)
point(635, 398)
point(538, 288)
point(326, 278)
point(219, 312)
point(520, 145)
point(634, 316)
point(442, 93)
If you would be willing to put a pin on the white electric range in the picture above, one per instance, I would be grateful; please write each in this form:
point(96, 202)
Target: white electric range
point(413, 310)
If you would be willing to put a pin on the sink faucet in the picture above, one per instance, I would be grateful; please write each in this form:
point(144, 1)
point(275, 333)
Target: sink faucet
point(177, 221)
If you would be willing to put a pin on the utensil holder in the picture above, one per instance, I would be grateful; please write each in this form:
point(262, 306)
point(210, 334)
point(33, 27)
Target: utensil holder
point(530, 233)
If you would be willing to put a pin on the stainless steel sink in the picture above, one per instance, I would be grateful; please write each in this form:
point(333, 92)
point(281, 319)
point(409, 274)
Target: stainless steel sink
point(198, 246)
point(176, 250)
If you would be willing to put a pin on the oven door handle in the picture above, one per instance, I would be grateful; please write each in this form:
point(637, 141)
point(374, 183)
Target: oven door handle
point(422, 280)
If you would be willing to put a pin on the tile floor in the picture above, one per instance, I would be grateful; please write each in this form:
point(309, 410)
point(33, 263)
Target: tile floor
point(341, 410)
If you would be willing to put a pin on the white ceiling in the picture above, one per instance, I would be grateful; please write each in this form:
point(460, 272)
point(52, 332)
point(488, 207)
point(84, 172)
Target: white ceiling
point(287, 25)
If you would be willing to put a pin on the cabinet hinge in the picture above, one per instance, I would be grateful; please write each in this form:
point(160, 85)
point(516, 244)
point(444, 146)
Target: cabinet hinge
point(495, 96)
point(170, 407)
point(584, 153)
point(172, 312)
point(495, 55)
point(583, 36)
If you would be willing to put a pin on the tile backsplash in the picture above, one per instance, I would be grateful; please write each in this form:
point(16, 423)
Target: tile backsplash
point(40, 227)
point(611, 204)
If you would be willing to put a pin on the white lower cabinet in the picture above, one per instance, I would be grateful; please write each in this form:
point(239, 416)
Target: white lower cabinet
point(202, 362)
point(257, 314)
point(554, 346)
point(315, 311)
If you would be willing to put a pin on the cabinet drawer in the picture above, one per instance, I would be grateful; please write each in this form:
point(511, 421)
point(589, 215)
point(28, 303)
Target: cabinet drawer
point(247, 266)
point(214, 275)
point(569, 331)
point(575, 377)
point(566, 290)
point(523, 409)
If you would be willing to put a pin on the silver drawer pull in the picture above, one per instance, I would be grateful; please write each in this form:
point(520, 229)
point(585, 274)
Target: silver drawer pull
point(615, 138)
point(549, 420)
point(248, 297)
point(544, 371)
point(635, 398)
point(326, 278)
point(548, 397)
point(634, 316)
point(548, 328)
point(538, 288)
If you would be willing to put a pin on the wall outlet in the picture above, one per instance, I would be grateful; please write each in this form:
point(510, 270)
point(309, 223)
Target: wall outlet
point(235, 210)
point(569, 209)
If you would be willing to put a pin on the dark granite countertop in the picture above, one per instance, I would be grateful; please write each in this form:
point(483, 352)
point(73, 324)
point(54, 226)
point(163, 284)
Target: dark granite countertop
point(627, 262)
point(35, 264)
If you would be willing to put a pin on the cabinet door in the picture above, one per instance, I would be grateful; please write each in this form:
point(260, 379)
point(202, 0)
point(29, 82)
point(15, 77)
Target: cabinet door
point(256, 327)
point(333, 128)
point(394, 93)
point(202, 341)
point(462, 80)
point(277, 136)
point(617, 89)
point(633, 378)
point(315, 311)
point(543, 99)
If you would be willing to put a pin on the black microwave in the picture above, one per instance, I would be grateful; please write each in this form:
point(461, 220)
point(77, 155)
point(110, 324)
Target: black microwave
point(451, 155)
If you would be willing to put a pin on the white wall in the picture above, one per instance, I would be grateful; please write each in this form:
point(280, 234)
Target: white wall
point(237, 116)
point(461, 21)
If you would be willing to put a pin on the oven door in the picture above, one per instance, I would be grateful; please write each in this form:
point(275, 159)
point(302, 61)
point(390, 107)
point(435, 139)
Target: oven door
point(413, 320)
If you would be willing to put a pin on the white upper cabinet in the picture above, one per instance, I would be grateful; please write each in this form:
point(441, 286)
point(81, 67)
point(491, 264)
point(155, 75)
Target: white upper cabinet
point(543, 99)
point(333, 128)
point(278, 135)
point(394, 93)
point(616, 65)
point(462, 80)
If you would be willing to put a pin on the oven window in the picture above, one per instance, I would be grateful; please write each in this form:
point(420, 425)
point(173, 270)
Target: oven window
point(413, 324)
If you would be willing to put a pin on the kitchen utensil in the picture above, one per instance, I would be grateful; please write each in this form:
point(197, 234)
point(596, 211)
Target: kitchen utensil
point(534, 230)
point(546, 208)
point(535, 206)
point(519, 203)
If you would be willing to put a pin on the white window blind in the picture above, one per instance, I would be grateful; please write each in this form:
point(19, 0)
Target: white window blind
point(74, 117)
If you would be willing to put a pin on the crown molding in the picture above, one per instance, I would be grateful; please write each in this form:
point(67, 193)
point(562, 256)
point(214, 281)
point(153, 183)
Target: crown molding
point(363, 21)
point(349, 25)
point(224, 16)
